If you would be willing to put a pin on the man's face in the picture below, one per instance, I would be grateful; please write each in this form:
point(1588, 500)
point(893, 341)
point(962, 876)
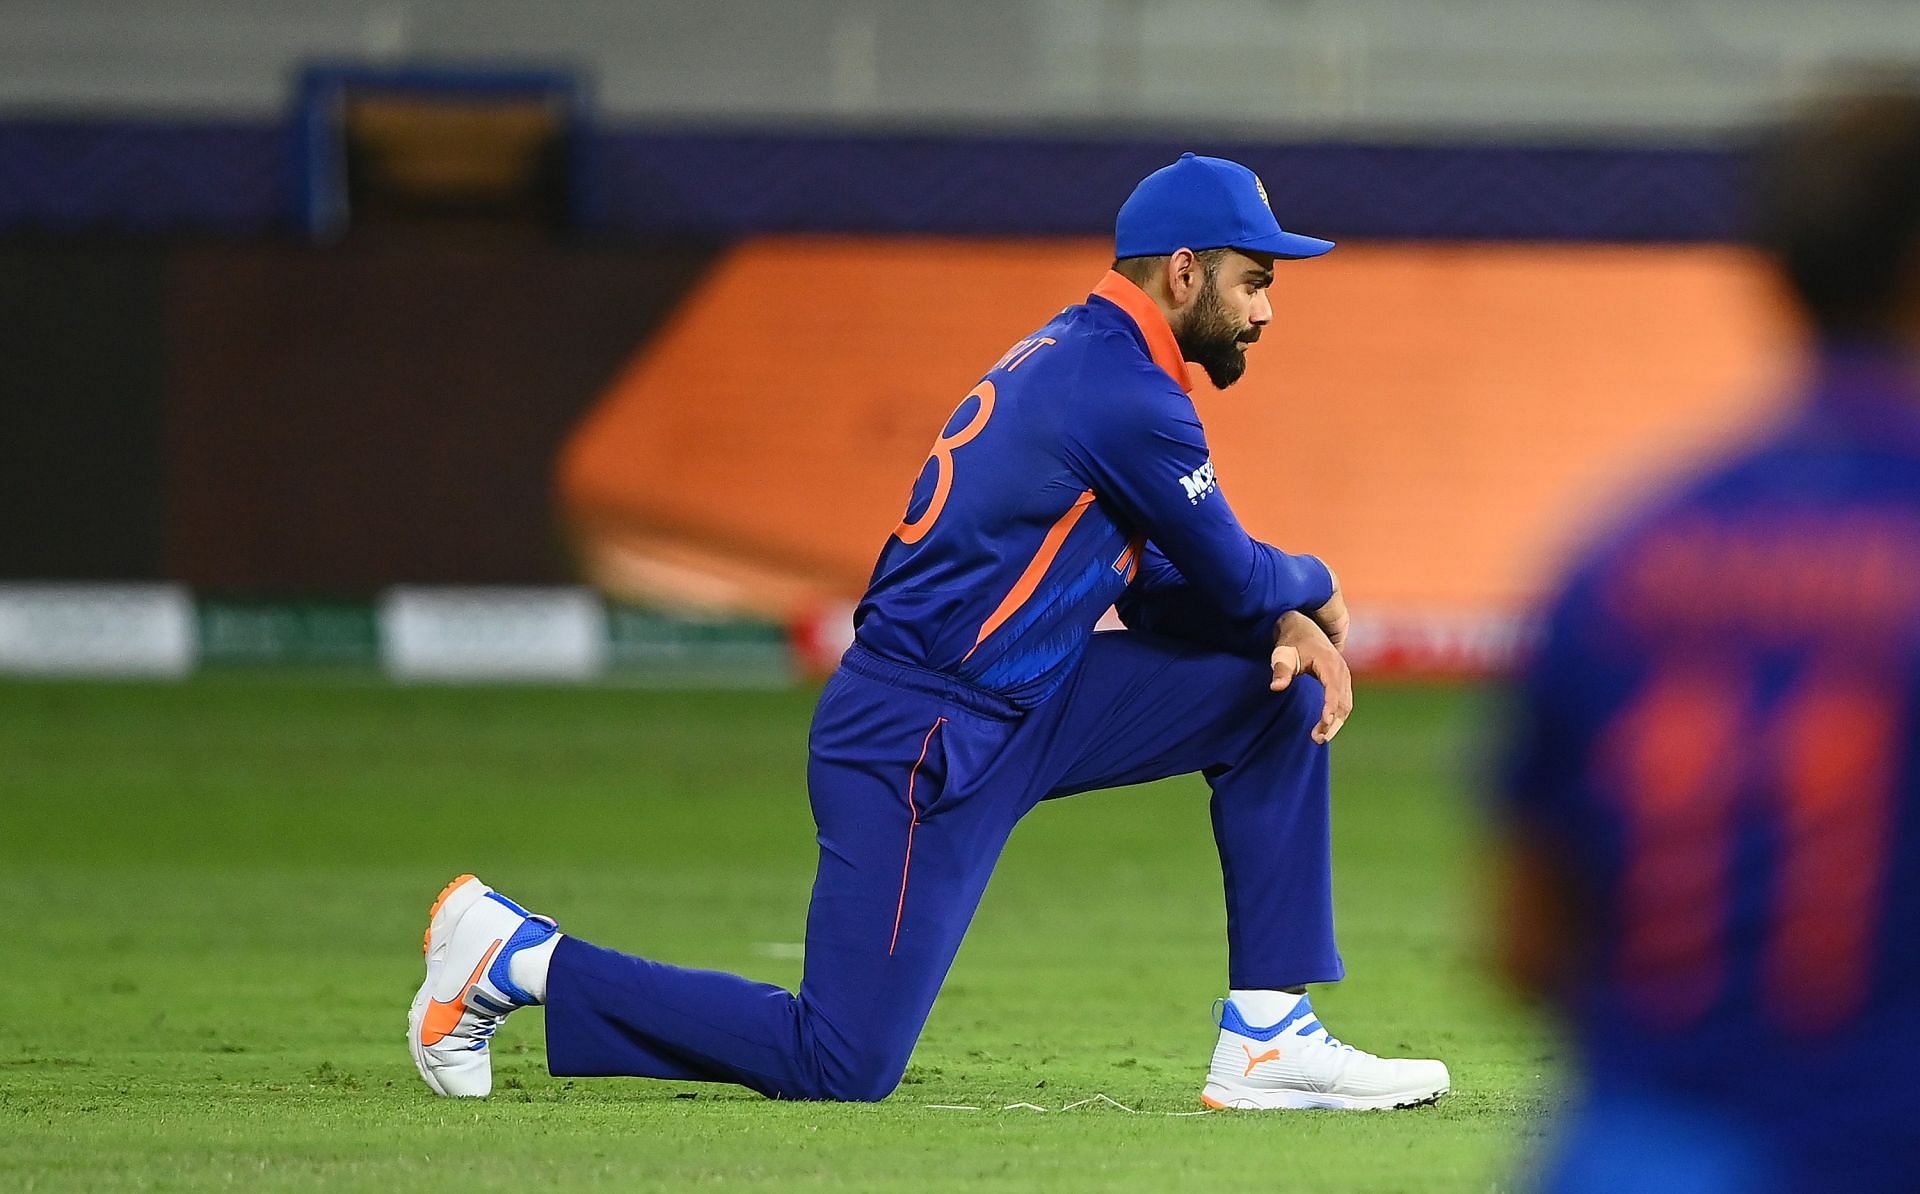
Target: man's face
point(1226, 316)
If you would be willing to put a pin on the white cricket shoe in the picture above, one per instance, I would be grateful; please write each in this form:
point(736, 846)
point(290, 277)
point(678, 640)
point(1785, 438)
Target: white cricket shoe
point(472, 934)
point(1295, 1065)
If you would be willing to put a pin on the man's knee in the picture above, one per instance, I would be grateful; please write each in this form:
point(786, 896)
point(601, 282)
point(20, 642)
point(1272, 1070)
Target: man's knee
point(1303, 702)
point(864, 1076)
point(1273, 718)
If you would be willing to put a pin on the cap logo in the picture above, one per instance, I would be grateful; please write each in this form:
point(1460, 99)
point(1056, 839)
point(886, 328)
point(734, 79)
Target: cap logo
point(1262, 188)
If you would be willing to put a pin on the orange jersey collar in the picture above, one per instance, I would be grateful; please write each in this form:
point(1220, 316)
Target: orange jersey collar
point(1117, 289)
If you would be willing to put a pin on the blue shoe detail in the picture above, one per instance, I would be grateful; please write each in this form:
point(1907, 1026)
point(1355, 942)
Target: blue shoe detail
point(1233, 1021)
point(1309, 1028)
point(532, 931)
point(497, 898)
point(488, 1005)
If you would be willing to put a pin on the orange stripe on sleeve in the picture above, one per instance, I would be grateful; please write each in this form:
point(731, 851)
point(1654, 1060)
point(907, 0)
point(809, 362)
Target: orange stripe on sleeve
point(1036, 568)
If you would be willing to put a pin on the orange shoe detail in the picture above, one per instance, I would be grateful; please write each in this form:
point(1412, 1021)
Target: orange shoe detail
point(1214, 1103)
point(1269, 1055)
point(426, 938)
point(443, 1015)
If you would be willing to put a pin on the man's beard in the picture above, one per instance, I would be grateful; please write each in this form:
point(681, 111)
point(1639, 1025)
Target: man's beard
point(1210, 338)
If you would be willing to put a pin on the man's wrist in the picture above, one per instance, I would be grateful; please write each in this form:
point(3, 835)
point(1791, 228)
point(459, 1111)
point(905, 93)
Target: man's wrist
point(1333, 582)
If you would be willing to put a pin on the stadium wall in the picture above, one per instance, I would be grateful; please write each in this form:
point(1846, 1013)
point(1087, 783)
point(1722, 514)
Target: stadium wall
point(81, 368)
point(343, 420)
point(1506, 338)
point(1441, 421)
point(272, 419)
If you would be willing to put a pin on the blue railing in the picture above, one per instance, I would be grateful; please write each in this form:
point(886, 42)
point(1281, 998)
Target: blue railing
point(65, 176)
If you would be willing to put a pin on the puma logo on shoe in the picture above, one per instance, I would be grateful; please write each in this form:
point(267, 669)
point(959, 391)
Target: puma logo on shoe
point(1269, 1055)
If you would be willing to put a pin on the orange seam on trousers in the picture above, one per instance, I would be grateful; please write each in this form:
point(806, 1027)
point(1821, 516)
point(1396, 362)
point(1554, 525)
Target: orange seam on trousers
point(907, 865)
point(1036, 568)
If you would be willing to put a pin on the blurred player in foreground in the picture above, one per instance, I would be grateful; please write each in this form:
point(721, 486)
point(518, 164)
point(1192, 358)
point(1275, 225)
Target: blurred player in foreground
point(1073, 476)
point(1714, 799)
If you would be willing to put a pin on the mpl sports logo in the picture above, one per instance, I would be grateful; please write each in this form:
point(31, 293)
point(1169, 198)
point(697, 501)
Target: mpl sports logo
point(1198, 483)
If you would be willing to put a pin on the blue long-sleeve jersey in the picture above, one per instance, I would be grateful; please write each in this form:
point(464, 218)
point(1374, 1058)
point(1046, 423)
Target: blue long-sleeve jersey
point(1074, 476)
point(1718, 744)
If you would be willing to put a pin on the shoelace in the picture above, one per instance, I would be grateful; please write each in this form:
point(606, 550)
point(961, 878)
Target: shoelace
point(1331, 1039)
point(484, 1026)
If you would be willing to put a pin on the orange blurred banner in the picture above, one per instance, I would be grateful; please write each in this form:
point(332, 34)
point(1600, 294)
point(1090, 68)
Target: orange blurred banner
point(1439, 422)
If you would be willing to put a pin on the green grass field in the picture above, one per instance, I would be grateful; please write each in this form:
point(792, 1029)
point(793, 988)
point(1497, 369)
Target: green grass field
point(215, 894)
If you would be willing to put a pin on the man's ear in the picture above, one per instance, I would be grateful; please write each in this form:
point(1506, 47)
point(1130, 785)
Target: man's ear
point(1184, 276)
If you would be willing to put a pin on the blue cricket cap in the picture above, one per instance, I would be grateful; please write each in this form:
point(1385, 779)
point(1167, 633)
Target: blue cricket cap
point(1205, 203)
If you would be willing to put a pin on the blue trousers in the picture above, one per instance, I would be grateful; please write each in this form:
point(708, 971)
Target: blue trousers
point(916, 782)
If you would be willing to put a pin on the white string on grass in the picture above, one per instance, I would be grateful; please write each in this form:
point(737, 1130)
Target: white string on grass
point(1091, 1101)
point(1100, 1098)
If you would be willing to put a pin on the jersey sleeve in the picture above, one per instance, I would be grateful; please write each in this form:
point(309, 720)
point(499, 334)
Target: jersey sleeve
point(1160, 601)
point(1142, 450)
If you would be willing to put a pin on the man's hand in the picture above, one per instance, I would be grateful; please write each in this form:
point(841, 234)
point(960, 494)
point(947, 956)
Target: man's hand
point(1301, 646)
point(1332, 617)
